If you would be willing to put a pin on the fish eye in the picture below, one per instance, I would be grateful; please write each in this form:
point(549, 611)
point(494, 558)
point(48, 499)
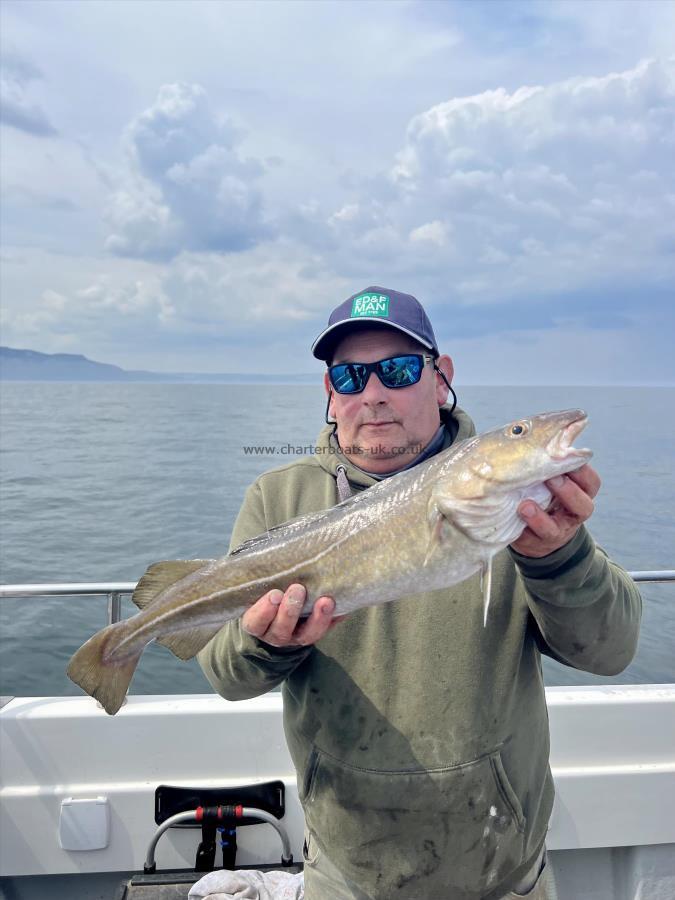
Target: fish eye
point(519, 429)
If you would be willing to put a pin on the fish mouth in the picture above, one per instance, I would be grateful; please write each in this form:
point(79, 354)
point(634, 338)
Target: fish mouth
point(560, 447)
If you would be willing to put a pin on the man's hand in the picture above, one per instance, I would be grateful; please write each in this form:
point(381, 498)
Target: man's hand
point(274, 618)
point(571, 505)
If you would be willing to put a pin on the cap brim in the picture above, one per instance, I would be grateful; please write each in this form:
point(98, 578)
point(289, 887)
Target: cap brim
point(327, 338)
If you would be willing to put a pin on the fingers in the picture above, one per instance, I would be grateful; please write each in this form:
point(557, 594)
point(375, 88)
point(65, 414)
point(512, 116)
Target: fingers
point(319, 621)
point(572, 498)
point(570, 507)
point(543, 534)
point(258, 618)
point(275, 618)
point(538, 521)
point(572, 503)
point(588, 480)
point(282, 626)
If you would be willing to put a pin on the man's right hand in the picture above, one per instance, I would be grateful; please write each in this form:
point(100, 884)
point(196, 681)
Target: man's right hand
point(274, 618)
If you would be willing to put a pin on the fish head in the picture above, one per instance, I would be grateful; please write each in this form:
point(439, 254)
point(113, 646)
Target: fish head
point(481, 485)
point(522, 453)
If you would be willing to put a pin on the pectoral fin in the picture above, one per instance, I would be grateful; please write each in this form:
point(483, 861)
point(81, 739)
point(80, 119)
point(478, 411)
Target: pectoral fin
point(436, 522)
point(486, 587)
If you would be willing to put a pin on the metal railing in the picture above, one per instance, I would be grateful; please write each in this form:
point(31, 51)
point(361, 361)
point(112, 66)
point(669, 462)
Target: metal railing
point(114, 590)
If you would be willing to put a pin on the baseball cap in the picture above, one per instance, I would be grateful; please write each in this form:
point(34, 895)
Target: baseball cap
point(379, 305)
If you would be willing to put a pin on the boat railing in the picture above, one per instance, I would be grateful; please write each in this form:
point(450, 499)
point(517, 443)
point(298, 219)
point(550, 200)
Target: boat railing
point(115, 590)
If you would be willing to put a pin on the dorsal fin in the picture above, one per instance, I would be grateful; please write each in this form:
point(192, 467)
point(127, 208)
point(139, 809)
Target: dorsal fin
point(258, 541)
point(161, 575)
point(300, 525)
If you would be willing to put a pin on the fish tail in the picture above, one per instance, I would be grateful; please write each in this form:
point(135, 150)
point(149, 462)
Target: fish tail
point(99, 673)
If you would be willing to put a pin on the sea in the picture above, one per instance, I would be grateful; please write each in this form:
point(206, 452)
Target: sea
point(97, 481)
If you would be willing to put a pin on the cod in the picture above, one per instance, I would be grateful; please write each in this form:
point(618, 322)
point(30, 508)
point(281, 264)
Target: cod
point(423, 529)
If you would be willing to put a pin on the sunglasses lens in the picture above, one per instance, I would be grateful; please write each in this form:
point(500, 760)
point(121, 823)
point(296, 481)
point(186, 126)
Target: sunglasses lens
point(395, 372)
point(400, 371)
point(348, 379)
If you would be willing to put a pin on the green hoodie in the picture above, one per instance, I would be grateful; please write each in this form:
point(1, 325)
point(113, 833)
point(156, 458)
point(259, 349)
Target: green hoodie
point(421, 739)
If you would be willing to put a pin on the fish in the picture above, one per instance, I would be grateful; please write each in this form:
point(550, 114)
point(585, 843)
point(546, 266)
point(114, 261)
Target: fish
point(426, 528)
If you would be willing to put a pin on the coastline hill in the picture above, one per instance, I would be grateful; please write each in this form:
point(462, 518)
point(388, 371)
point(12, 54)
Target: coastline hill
point(29, 365)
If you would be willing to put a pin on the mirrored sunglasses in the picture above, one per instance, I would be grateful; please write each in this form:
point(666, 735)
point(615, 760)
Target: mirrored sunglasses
point(393, 372)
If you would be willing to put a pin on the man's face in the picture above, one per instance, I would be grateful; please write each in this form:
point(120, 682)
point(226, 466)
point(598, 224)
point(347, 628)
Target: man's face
point(381, 429)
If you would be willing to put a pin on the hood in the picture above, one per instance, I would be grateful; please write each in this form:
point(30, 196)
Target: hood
point(458, 426)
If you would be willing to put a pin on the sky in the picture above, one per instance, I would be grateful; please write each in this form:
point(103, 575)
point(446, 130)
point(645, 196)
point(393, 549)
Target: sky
point(193, 186)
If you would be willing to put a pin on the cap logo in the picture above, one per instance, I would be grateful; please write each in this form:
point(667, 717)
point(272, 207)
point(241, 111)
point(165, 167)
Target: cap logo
point(370, 305)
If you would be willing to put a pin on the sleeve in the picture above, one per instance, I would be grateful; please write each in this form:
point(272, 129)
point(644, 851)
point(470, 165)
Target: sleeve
point(238, 665)
point(587, 608)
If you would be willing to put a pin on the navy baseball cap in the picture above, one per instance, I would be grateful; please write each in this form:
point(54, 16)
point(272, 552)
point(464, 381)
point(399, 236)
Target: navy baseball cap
point(381, 306)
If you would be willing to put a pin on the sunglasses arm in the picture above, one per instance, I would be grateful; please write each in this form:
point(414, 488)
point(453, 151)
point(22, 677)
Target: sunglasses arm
point(329, 421)
point(449, 387)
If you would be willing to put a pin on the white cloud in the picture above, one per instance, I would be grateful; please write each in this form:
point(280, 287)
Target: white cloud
point(544, 190)
point(432, 232)
point(50, 298)
point(510, 205)
point(17, 109)
point(240, 302)
point(243, 295)
point(188, 187)
point(146, 227)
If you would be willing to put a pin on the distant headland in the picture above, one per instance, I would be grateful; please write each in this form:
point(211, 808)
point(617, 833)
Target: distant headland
point(29, 365)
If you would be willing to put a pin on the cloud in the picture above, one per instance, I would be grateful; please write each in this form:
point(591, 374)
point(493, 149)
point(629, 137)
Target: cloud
point(18, 111)
point(441, 149)
point(522, 199)
point(551, 206)
point(432, 232)
point(262, 308)
point(188, 186)
point(107, 302)
point(244, 296)
point(29, 197)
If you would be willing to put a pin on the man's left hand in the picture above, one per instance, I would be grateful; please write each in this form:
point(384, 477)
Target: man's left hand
point(572, 503)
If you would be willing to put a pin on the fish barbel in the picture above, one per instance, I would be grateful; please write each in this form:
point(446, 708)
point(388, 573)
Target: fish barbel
point(423, 529)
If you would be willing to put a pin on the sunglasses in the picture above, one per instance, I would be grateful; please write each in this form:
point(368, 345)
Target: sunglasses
point(393, 372)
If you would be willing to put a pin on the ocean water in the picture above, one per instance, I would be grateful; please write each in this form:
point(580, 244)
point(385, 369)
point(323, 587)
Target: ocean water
point(99, 480)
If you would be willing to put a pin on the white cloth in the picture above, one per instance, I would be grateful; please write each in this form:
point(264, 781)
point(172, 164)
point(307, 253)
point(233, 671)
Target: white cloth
point(249, 884)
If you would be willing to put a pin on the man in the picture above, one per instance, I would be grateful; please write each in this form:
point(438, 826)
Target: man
point(420, 737)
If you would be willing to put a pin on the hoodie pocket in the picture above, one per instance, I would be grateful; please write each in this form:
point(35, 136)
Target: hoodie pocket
point(507, 793)
point(417, 833)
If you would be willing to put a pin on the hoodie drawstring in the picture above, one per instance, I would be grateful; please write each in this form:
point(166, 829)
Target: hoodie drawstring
point(343, 485)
